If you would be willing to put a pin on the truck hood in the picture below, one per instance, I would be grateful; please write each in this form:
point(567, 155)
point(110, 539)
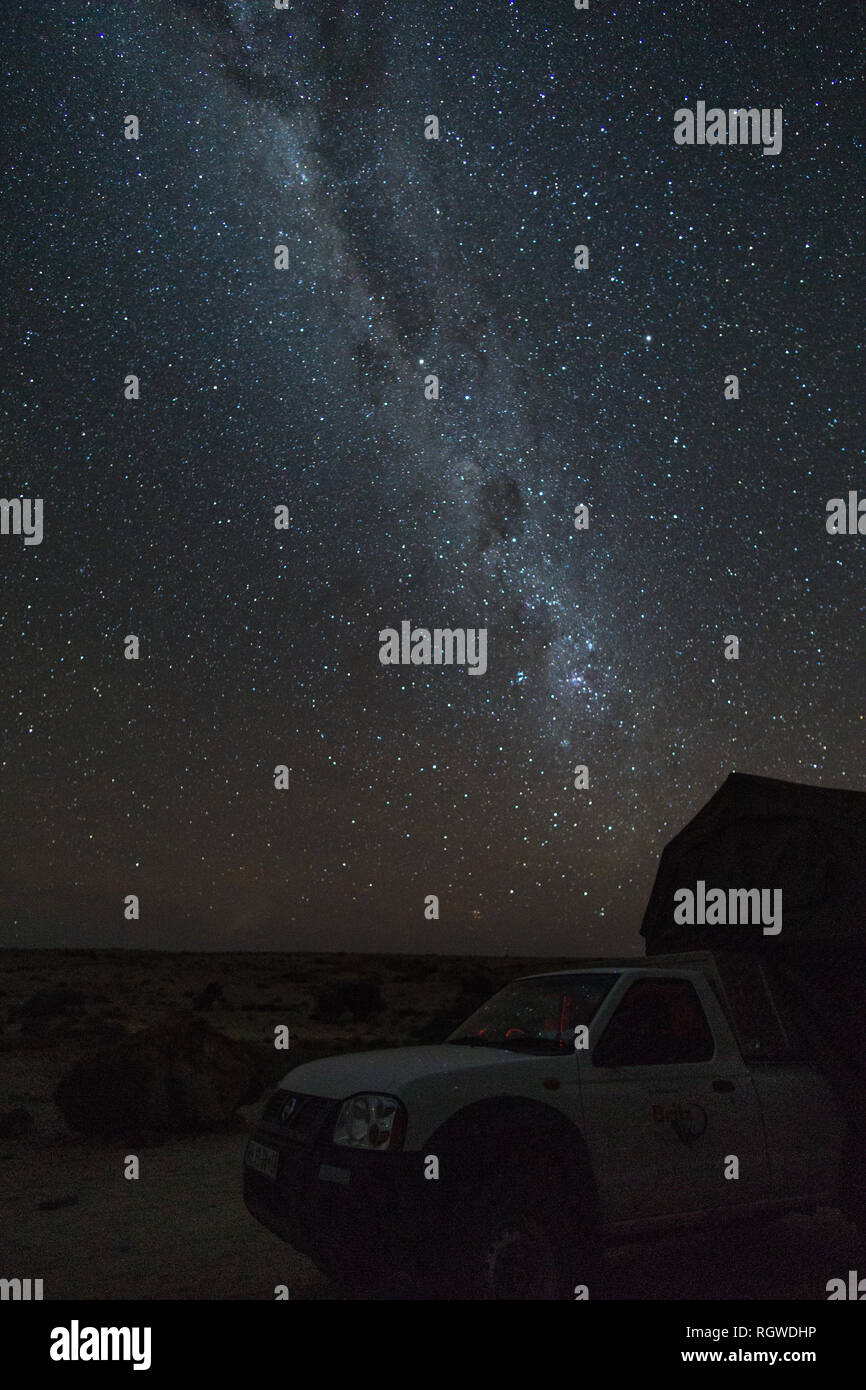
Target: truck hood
point(393, 1069)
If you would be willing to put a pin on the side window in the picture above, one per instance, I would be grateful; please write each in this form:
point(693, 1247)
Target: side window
point(657, 1022)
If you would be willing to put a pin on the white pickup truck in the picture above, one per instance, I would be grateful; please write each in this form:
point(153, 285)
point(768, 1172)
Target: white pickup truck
point(573, 1109)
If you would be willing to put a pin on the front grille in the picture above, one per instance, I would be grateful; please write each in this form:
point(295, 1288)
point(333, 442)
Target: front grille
point(308, 1118)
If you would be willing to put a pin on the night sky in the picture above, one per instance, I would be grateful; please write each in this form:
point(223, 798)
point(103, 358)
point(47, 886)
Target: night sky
point(305, 388)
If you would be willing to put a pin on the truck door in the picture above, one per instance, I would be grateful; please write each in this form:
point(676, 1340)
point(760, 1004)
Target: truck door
point(669, 1103)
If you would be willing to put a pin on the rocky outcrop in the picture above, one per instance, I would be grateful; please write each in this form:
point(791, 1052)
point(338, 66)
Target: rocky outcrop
point(177, 1076)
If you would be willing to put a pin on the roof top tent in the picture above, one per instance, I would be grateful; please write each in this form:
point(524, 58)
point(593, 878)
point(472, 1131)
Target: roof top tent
point(810, 842)
point(758, 832)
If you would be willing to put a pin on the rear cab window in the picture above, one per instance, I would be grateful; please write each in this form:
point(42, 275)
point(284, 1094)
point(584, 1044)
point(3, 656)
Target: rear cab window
point(658, 1022)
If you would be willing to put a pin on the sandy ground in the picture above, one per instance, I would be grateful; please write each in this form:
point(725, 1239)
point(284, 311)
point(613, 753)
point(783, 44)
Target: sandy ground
point(182, 1232)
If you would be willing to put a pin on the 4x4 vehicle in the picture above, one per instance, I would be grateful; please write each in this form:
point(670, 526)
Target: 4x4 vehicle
point(573, 1109)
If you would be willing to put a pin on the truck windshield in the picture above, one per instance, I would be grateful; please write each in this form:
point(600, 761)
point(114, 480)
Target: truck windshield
point(536, 1015)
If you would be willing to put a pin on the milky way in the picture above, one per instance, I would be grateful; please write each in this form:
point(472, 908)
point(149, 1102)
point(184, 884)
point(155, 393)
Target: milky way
point(305, 387)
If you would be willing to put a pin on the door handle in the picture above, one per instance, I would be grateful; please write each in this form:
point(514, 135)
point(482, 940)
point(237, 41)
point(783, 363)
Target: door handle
point(721, 1083)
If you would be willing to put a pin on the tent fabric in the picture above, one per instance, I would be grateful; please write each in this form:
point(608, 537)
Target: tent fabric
point(810, 842)
point(760, 832)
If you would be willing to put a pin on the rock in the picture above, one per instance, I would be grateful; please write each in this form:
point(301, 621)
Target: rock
point(14, 1123)
point(210, 995)
point(178, 1076)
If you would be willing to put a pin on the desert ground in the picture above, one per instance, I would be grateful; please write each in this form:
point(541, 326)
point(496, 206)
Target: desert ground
point(69, 1217)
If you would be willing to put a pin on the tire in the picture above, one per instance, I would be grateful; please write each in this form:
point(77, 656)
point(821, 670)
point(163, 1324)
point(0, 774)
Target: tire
point(521, 1243)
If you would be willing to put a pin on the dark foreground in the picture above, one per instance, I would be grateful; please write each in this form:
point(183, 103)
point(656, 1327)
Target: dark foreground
point(68, 1215)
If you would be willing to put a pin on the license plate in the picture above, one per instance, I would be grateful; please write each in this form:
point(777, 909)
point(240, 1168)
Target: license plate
point(263, 1159)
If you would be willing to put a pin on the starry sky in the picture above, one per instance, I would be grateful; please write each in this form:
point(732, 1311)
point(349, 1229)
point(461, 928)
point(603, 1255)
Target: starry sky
point(305, 388)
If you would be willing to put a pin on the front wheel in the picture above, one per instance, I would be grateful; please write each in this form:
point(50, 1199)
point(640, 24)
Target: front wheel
point(525, 1245)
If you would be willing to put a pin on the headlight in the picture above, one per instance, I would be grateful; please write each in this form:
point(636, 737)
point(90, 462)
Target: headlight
point(370, 1122)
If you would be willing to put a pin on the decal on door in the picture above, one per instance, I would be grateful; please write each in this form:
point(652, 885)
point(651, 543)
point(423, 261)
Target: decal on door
point(687, 1119)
